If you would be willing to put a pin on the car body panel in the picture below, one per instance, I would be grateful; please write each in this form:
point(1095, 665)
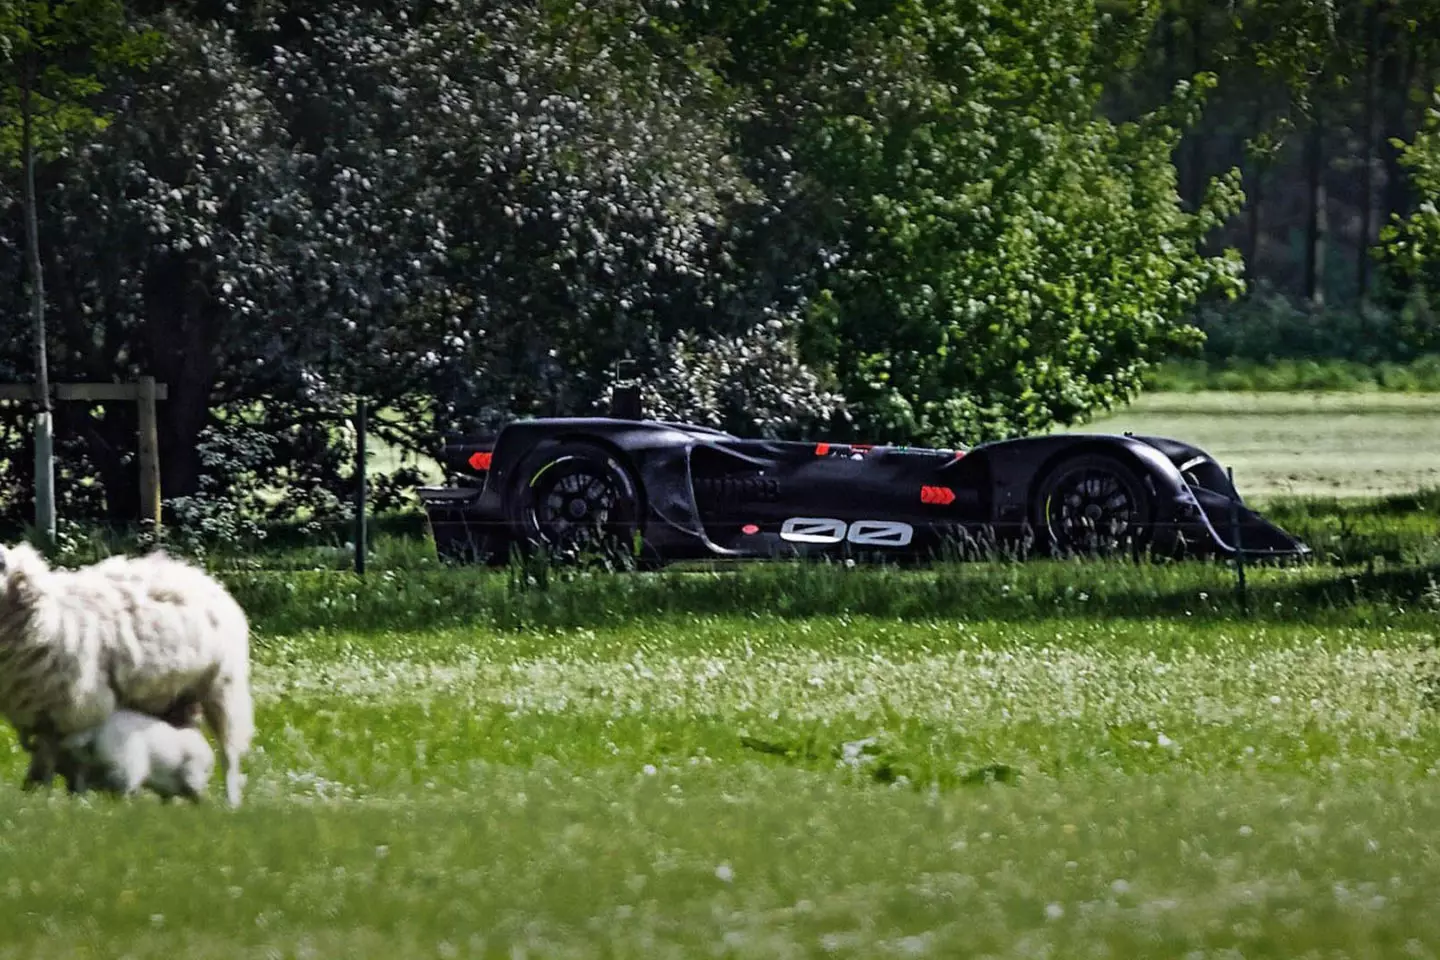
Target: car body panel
point(708, 494)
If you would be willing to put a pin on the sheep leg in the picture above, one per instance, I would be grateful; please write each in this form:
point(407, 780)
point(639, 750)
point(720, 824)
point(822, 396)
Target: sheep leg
point(45, 748)
point(230, 713)
point(29, 742)
point(39, 774)
point(184, 712)
point(72, 768)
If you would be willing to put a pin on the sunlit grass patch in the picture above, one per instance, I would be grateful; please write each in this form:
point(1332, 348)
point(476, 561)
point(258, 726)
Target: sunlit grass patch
point(940, 699)
point(994, 759)
point(747, 861)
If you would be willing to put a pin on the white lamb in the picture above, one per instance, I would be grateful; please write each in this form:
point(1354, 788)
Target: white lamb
point(150, 634)
point(131, 751)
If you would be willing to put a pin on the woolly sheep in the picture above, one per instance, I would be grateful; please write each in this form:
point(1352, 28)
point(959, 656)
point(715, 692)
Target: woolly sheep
point(131, 751)
point(150, 634)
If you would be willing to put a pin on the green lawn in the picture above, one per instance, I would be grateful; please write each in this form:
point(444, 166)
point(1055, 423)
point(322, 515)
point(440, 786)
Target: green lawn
point(633, 771)
point(1301, 444)
point(1038, 760)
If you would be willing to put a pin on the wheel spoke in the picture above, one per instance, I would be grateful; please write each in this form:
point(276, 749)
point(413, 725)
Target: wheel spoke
point(577, 508)
point(1092, 508)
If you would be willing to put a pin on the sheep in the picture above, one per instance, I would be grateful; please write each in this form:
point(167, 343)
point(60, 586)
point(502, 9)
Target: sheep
point(151, 634)
point(131, 751)
point(77, 764)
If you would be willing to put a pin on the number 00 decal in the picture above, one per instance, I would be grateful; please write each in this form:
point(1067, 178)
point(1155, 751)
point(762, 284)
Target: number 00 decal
point(865, 533)
point(812, 530)
point(880, 533)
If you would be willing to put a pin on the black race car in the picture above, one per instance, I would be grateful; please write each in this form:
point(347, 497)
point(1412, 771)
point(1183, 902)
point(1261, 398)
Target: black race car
point(672, 491)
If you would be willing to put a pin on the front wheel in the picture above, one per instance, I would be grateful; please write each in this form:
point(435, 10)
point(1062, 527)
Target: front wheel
point(1094, 504)
point(575, 499)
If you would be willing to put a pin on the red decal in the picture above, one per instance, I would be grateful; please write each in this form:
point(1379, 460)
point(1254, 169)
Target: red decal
point(749, 529)
point(937, 495)
point(862, 447)
point(821, 449)
point(480, 460)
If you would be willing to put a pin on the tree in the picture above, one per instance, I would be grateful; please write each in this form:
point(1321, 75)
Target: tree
point(1004, 257)
point(58, 48)
point(465, 214)
point(1412, 243)
point(583, 190)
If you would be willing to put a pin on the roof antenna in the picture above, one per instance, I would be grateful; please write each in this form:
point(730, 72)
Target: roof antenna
point(625, 401)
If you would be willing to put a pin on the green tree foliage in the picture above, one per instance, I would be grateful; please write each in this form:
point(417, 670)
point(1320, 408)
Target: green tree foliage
point(466, 213)
point(1413, 243)
point(56, 54)
point(1311, 97)
point(1005, 258)
point(930, 222)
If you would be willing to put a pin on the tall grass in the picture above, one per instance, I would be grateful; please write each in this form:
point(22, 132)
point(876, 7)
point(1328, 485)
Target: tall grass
point(790, 759)
point(1371, 556)
point(288, 603)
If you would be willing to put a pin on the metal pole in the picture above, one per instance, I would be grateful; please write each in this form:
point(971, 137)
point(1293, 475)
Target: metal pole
point(45, 479)
point(1235, 543)
point(360, 531)
point(150, 499)
point(44, 415)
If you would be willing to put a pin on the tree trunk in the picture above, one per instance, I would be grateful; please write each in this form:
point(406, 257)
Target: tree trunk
point(111, 444)
point(1255, 196)
point(180, 343)
point(1397, 73)
point(1315, 227)
point(186, 414)
point(1367, 163)
point(44, 454)
point(1169, 24)
point(1195, 164)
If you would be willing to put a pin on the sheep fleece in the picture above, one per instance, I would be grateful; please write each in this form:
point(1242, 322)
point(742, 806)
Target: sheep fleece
point(152, 627)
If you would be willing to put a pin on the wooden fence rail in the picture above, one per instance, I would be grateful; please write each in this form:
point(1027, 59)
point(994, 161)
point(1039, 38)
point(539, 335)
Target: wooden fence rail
point(143, 392)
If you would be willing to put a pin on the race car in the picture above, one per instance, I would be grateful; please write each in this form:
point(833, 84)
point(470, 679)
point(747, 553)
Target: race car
point(666, 491)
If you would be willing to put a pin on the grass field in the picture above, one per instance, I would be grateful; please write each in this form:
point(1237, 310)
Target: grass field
point(1345, 444)
point(993, 760)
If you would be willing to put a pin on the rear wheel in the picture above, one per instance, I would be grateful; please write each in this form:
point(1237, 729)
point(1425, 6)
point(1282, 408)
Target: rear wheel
point(575, 500)
point(1094, 504)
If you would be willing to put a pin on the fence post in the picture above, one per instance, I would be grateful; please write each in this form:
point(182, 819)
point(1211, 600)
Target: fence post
point(149, 455)
point(45, 478)
point(1235, 543)
point(360, 482)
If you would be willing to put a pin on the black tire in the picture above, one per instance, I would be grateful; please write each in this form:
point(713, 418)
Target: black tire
point(1094, 504)
point(575, 499)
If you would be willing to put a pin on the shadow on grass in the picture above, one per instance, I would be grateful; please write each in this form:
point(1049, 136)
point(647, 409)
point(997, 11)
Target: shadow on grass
point(1374, 557)
point(291, 602)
